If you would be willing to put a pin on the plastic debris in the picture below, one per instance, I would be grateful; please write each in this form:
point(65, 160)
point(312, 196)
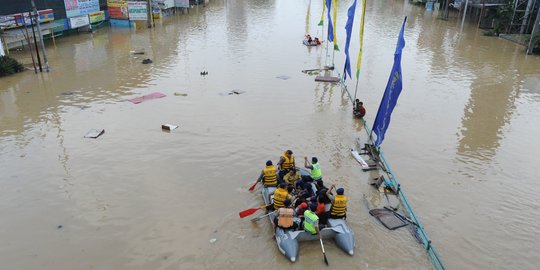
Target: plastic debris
point(180, 94)
point(213, 240)
point(94, 133)
point(283, 77)
point(59, 227)
point(147, 61)
point(147, 97)
point(168, 127)
point(236, 91)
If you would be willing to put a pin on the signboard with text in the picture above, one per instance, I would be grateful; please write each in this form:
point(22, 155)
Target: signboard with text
point(118, 9)
point(76, 8)
point(80, 21)
point(181, 3)
point(137, 11)
point(97, 16)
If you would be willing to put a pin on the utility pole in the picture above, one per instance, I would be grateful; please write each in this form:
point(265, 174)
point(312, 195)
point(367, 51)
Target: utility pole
point(40, 36)
point(535, 31)
point(464, 13)
point(150, 14)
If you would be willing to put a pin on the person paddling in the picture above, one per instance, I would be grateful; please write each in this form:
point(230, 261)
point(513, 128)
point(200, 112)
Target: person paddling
point(316, 173)
point(268, 175)
point(285, 164)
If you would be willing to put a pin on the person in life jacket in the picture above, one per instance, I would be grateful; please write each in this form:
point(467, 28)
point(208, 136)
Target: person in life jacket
point(359, 109)
point(285, 217)
point(291, 177)
point(316, 173)
point(339, 205)
point(285, 164)
point(280, 195)
point(311, 220)
point(269, 175)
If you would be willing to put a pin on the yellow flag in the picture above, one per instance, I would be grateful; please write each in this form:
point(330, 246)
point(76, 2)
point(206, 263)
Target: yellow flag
point(321, 22)
point(335, 26)
point(361, 39)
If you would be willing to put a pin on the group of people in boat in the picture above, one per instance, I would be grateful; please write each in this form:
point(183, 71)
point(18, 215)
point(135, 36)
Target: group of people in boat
point(295, 196)
point(312, 41)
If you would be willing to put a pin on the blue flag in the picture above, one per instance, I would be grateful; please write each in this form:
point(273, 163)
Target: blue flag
point(348, 29)
point(391, 93)
point(330, 26)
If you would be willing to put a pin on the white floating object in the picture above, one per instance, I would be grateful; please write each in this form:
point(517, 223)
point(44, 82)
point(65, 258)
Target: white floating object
point(213, 240)
point(168, 127)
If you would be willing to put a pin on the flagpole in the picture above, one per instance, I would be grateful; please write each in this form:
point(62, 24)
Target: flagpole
point(362, 22)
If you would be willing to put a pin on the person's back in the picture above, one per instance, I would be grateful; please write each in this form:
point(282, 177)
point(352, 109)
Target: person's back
point(311, 220)
point(285, 217)
point(339, 205)
point(280, 195)
point(269, 175)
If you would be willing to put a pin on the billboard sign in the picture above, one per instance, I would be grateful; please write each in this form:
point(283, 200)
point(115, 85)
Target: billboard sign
point(118, 9)
point(97, 16)
point(76, 8)
point(181, 3)
point(80, 21)
point(137, 11)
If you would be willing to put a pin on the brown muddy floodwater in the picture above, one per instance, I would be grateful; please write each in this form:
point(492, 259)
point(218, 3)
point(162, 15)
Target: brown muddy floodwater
point(463, 142)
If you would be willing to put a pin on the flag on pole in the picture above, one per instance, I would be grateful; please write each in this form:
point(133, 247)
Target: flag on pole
point(348, 30)
point(391, 93)
point(336, 48)
point(330, 26)
point(321, 22)
point(361, 39)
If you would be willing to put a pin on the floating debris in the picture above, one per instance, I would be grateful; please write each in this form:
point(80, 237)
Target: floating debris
point(213, 240)
point(68, 93)
point(168, 127)
point(204, 73)
point(237, 92)
point(94, 133)
point(326, 79)
point(180, 94)
point(283, 77)
point(147, 61)
point(147, 97)
point(59, 227)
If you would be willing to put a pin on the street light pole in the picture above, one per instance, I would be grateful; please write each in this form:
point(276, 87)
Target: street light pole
point(40, 36)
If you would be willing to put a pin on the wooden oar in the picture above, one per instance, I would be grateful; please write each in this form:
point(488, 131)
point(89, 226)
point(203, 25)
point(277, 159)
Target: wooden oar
point(255, 219)
point(324, 253)
point(253, 187)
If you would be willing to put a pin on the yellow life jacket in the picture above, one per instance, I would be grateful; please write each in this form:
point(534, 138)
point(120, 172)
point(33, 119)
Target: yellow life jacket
point(280, 195)
point(285, 217)
point(288, 163)
point(339, 206)
point(270, 177)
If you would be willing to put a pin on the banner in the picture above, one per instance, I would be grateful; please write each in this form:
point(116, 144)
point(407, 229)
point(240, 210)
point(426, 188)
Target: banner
point(80, 21)
point(334, 37)
point(80, 7)
point(330, 27)
point(118, 9)
point(391, 93)
point(348, 30)
point(362, 22)
point(97, 16)
point(181, 3)
point(137, 11)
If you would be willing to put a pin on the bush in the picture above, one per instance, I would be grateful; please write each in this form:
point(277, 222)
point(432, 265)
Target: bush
point(9, 66)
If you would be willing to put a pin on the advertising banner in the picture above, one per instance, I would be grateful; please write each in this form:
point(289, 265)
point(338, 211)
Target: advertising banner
point(80, 21)
point(181, 3)
point(16, 20)
point(137, 11)
point(118, 9)
point(76, 8)
point(97, 16)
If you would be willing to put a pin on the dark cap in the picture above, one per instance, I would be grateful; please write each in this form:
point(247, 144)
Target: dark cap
point(340, 191)
point(268, 163)
point(282, 185)
point(289, 152)
point(313, 207)
point(314, 160)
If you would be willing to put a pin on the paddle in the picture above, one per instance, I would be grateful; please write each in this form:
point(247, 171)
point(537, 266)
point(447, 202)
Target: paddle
point(253, 187)
point(255, 219)
point(250, 211)
point(324, 253)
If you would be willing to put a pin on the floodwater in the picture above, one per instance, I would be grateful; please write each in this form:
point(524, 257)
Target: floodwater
point(462, 142)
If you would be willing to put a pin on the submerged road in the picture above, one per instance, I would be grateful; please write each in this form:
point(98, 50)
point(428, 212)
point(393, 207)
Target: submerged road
point(462, 142)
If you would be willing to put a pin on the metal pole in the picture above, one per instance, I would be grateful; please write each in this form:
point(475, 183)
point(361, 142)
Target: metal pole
point(1, 48)
point(464, 13)
point(149, 7)
point(535, 31)
point(35, 42)
point(525, 20)
point(40, 36)
point(29, 45)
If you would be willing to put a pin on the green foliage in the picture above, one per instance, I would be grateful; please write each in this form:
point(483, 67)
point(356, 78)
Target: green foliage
point(503, 18)
point(9, 66)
